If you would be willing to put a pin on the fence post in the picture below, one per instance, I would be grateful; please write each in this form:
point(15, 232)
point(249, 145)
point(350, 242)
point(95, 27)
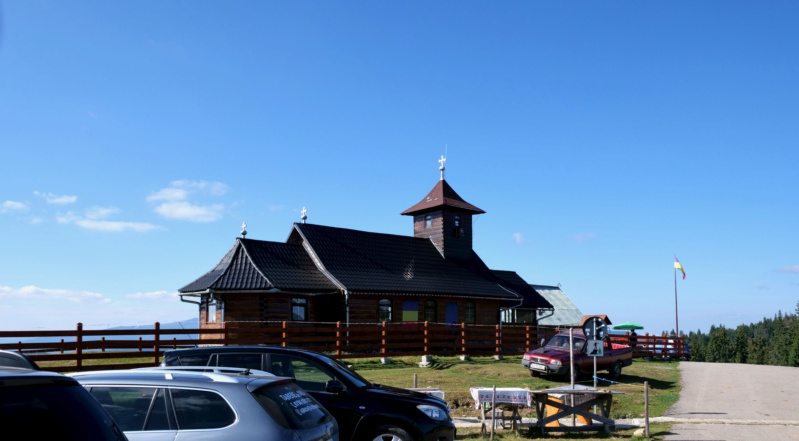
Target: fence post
point(79, 346)
point(338, 340)
point(526, 339)
point(62, 345)
point(383, 339)
point(426, 339)
point(498, 343)
point(464, 356)
point(102, 344)
point(157, 343)
point(140, 348)
point(285, 333)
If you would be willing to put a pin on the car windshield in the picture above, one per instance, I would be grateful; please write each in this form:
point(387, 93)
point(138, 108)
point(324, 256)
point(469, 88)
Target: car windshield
point(562, 342)
point(55, 410)
point(357, 380)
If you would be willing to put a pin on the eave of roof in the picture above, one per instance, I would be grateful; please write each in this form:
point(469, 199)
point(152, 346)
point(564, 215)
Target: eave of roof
point(442, 195)
point(532, 299)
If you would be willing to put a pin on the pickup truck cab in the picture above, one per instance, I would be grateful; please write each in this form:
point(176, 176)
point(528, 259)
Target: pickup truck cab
point(553, 358)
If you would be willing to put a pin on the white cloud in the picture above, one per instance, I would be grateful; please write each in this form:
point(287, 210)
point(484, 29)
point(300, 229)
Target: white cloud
point(789, 269)
point(519, 238)
point(115, 226)
point(101, 212)
point(190, 212)
point(35, 293)
point(169, 194)
point(176, 203)
point(12, 206)
point(214, 188)
point(93, 221)
point(159, 296)
point(582, 237)
point(56, 199)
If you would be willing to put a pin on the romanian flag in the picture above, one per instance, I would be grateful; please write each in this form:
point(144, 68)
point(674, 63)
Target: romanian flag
point(679, 267)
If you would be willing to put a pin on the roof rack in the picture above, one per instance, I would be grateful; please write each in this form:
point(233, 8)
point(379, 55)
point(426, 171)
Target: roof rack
point(210, 369)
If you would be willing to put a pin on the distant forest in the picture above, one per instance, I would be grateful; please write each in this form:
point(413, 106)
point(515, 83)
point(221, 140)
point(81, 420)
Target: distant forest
point(772, 341)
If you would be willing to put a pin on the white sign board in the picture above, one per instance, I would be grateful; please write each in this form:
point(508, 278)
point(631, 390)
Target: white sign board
point(595, 348)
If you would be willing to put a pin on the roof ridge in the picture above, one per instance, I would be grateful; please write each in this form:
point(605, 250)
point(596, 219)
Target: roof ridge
point(315, 257)
point(249, 258)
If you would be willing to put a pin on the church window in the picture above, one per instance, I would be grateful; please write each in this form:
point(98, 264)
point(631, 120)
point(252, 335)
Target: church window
point(384, 311)
point(430, 312)
point(428, 221)
point(470, 313)
point(299, 309)
point(210, 311)
point(457, 221)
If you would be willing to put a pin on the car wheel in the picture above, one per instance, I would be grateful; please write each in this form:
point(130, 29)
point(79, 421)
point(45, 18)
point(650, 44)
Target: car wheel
point(616, 371)
point(390, 433)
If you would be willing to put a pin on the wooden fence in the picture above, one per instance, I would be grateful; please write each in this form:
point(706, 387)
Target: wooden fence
point(84, 350)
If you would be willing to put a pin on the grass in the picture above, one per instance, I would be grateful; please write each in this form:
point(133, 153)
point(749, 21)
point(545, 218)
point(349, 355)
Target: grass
point(455, 377)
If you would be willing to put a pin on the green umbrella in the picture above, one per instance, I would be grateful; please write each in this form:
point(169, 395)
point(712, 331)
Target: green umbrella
point(627, 326)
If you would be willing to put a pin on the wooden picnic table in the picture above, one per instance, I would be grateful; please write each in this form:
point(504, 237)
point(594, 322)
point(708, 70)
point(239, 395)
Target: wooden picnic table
point(585, 400)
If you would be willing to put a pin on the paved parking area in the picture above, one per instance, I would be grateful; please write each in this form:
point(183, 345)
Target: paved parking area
point(725, 401)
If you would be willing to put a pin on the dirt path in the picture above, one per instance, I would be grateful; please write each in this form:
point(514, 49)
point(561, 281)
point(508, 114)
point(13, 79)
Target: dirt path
point(721, 401)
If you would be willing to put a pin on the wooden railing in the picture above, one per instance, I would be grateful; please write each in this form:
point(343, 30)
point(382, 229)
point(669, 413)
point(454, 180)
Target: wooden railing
point(84, 350)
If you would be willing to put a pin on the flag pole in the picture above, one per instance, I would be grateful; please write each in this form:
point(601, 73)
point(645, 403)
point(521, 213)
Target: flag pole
point(676, 317)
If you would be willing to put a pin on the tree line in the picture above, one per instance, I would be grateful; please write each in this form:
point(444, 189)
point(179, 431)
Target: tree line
point(772, 341)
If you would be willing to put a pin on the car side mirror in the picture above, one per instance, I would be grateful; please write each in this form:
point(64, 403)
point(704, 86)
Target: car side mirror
point(334, 387)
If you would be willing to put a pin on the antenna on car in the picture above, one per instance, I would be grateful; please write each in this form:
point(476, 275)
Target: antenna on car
point(188, 335)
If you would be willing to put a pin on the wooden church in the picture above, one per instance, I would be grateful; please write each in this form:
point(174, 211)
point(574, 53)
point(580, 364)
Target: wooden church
point(329, 274)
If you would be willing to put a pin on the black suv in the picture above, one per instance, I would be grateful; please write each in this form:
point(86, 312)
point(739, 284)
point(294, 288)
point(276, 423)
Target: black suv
point(45, 405)
point(364, 411)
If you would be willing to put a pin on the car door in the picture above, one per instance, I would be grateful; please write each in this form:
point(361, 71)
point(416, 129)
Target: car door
point(313, 377)
point(141, 412)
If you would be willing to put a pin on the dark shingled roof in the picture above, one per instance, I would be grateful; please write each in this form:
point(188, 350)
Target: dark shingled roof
point(442, 195)
point(532, 299)
point(366, 262)
point(260, 265)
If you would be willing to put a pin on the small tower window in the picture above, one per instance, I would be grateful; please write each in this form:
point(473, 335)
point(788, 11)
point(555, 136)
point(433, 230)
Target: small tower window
point(428, 221)
point(457, 221)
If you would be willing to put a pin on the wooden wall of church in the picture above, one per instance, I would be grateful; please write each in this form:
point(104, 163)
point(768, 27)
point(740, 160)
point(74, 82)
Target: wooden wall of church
point(365, 309)
point(248, 307)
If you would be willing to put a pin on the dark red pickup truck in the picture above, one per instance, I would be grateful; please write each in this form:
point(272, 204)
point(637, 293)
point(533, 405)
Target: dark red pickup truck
point(553, 359)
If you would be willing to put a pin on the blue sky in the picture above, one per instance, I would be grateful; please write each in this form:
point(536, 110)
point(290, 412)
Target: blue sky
point(601, 138)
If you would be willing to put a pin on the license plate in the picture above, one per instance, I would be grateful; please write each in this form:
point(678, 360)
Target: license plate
point(537, 367)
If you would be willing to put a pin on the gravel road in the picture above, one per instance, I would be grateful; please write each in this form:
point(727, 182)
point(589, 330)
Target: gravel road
point(723, 401)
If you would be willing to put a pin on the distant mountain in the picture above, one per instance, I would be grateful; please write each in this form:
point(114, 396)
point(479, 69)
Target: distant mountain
point(193, 323)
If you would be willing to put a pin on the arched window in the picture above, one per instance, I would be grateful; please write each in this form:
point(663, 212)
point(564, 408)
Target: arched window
point(470, 313)
point(430, 312)
point(384, 311)
point(428, 221)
